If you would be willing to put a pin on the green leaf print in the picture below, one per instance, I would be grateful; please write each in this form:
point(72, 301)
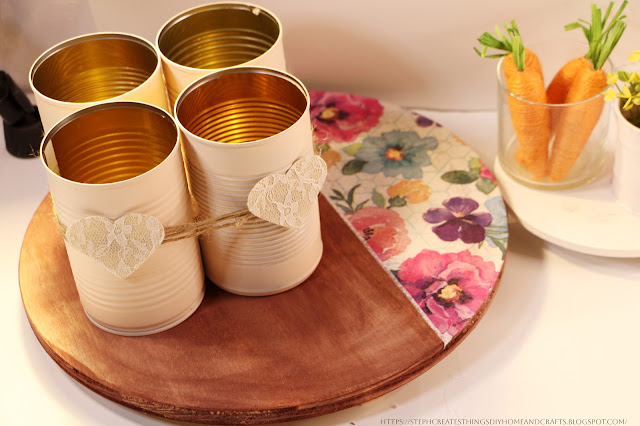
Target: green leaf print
point(485, 185)
point(377, 198)
point(461, 177)
point(352, 167)
point(352, 149)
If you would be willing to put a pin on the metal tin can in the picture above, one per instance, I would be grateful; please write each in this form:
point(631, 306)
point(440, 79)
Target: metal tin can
point(625, 180)
point(94, 68)
point(240, 125)
point(209, 38)
point(114, 159)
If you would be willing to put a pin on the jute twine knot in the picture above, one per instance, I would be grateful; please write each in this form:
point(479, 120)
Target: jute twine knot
point(202, 226)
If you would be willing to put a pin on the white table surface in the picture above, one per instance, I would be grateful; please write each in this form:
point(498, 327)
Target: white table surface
point(560, 341)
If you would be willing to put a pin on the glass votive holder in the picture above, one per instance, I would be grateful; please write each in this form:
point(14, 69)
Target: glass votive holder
point(551, 146)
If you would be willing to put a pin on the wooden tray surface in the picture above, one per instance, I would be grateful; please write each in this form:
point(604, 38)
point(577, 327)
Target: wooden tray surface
point(350, 333)
point(343, 337)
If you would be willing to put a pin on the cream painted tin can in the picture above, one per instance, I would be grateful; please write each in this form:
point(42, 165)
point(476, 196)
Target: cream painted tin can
point(626, 173)
point(94, 68)
point(204, 39)
point(238, 126)
point(114, 159)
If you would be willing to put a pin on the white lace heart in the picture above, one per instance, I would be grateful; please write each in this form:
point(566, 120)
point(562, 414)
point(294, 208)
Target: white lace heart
point(286, 199)
point(121, 245)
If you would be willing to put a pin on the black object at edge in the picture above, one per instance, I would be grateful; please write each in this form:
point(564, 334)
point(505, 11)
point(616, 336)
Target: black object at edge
point(21, 121)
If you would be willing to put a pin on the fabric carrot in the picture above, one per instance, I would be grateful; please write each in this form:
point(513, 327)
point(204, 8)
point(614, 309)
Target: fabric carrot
point(576, 123)
point(523, 77)
point(504, 43)
point(564, 78)
point(531, 62)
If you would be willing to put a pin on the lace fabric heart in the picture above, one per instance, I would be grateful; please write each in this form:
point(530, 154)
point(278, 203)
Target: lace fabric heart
point(120, 245)
point(286, 199)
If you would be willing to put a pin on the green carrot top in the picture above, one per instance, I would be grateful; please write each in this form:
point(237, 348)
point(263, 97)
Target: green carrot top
point(509, 43)
point(602, 37)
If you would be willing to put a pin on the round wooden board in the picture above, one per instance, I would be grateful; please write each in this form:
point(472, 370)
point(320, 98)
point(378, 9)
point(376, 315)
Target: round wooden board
point(345, 336)
point(394, 293)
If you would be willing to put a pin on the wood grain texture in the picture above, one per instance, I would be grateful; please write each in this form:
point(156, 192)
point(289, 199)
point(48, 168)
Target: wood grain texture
point(345, 336)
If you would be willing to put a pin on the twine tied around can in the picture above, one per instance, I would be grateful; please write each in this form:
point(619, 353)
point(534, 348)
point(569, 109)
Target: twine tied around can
point(124, 244)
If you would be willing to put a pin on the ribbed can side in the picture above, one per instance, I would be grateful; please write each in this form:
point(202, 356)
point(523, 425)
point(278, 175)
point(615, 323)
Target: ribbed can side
point(169, 285)
point(258, 258)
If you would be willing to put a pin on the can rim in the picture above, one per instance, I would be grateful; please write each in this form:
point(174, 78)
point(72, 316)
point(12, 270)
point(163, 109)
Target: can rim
point(198, 9)
point(85, 38)
point(238, 70)
point(47, 138)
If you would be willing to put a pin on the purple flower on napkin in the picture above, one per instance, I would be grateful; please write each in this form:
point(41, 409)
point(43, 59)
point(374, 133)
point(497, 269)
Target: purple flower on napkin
point(457, 220)
point(423, 121)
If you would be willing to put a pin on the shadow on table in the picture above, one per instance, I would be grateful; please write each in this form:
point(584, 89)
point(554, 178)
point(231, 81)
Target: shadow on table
point(624, 267)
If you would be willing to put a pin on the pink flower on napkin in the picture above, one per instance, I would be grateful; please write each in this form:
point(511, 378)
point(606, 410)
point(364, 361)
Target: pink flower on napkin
point(382, 229)
point(449, 287)
point(340, 117)
point(486, 173)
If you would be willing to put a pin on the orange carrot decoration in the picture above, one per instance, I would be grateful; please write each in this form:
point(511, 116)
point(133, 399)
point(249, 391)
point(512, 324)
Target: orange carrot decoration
point(576, 123)
point(562, 81)
point(505, 43)
point(531, 62)
point(523, 76)
point(564, 78)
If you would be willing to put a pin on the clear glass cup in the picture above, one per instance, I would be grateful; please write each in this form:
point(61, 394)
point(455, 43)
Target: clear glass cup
point(529, 152)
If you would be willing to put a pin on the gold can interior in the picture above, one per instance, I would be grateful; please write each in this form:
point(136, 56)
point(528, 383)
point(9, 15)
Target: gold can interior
point(218, 36)
point(241, 105)
point(109, 143)
point(94, 68)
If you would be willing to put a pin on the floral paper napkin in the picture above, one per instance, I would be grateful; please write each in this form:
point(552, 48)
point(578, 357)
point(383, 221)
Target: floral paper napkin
point(424, 203)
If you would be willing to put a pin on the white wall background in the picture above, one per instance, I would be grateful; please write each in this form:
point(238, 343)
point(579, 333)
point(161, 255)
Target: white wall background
point(416, 53)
